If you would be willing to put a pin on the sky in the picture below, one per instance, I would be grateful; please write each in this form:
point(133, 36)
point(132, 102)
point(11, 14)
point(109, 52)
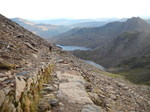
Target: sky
point(74, 9)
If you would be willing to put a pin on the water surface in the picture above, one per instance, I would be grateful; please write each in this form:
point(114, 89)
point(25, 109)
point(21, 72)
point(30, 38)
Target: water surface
point(72, 48)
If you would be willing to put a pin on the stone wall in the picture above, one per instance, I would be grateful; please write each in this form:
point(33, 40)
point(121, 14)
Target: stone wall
point(22, 92)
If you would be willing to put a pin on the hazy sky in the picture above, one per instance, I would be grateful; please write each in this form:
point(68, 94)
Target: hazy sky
point(49, 9)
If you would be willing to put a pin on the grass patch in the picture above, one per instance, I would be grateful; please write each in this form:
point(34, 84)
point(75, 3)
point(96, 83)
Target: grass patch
point(30, 100)
point(109, 74)
point(137, 76)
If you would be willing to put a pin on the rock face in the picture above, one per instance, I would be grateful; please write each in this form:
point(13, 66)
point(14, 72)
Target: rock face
point(40, 79)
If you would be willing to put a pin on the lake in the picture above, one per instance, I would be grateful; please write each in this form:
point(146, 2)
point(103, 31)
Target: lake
point(95, 64)
point(72, 48)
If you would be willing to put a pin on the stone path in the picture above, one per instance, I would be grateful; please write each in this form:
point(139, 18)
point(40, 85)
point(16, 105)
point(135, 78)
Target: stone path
point(78, 87)
point(67, 93)
point(72, 89)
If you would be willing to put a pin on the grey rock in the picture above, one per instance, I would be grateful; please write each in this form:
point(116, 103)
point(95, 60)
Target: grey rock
point(54, 102)
point(3, 79)
point(2, 97)
point(7, 90)
point(20, 86)
point(48, 89)
point(60, 61)
point(91, 108)
point(43, 107)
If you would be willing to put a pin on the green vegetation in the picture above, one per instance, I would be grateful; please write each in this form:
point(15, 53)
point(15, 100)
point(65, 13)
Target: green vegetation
point(110, 74)
point(135, 62)
point(137, 76)
point(30, 99)
point(7, 104)
point(138, 69)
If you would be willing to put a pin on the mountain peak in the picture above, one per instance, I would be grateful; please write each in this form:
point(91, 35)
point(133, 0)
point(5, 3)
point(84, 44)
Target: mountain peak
point(137, 24)
point(136, 20)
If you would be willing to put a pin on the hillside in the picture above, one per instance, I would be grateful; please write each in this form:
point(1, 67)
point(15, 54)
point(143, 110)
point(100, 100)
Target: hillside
point(37, 76)
point(43, 30)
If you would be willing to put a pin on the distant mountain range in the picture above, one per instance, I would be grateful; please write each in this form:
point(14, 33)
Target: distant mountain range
point(51, 28)
point(122, 45)
point(43, 30)
point(68, 22)
point(93, 37)
point(90, 24)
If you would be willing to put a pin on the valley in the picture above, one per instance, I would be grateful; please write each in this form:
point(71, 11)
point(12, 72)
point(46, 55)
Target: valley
point(113, 45)
point(36, 75)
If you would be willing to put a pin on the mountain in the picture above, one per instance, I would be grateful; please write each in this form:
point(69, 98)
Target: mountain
point(148, 20)
point(43, 30)
point(38, 76)
point(68, 22)
point(90, 24)
point(62, 21)
point(97, 22)
point(93, 37)
point(114, 46)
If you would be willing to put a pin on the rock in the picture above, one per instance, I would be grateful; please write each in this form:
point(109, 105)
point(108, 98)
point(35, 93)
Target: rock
point(2, 75)
point(7, 90)
point(53, 102)
point(121, 84)
point(112, 96)
point(35, 56)
point(48, 89)
point(93, 95)
point(60, 61)
point(30, 46)
point(19, 86)
point(91, 108)
point(74, 92)
point(3, 78)
point(88, 87)
point(2, 97)
point(49, 96)
point(29, 82)
point(73, 89)
point(24, 73)
point(43, 107)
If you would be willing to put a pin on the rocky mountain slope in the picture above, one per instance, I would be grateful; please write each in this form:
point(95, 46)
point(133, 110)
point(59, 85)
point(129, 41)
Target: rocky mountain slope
point(43, 30)
point(37, 76)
